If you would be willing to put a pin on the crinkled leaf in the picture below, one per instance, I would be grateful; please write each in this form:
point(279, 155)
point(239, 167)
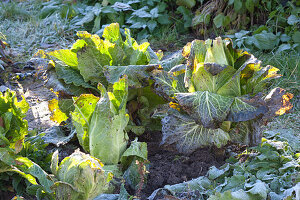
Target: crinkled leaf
point(119, 95)
point(71, 76)
point(183, 131)
point(244, 109)
point(167, 84)
point(85, 174)
point(216, 53)
point(14, 128)
point(170, 62)
point(138, 75)
point(241, 132)
point(206, 107)
point(92, 58)
point(260, 78)
point(8, 168)
point(63, 189)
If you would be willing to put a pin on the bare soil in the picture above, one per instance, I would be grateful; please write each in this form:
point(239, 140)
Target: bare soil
point(168, 167)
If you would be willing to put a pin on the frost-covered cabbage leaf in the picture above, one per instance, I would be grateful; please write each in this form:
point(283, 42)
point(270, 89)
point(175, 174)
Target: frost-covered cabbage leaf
point(100, 123)
point(220, 89)
point(80, 176)
point(182, 130)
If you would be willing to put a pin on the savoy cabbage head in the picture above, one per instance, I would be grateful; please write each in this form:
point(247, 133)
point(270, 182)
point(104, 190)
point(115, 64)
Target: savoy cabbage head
point(218, 96)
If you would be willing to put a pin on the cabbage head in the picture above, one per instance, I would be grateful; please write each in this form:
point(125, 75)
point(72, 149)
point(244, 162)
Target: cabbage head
point(80, 176)
point(218, 95)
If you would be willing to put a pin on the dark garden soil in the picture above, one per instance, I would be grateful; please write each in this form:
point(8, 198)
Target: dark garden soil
point(168, 167)
point(6, 195)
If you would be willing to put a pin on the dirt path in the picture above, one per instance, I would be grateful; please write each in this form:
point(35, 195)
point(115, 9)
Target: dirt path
point(38, 116)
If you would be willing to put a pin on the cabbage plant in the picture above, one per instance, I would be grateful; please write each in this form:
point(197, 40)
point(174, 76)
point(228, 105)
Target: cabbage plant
point(100, 122)
point(80, 176)
point(218, 96)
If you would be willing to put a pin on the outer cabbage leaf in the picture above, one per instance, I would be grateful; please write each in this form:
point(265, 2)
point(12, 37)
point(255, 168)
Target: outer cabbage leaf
point(168, 83)
point(81, 117)
point(182, 130)
point(138, 75)
point(71, 76)
point(93, 57)
point(108, 139)
point(215, 53)
point(56, 114)
point(260, 79)
point(65, 55)
point(169, 62)
point(112, 33)
point(58, 85)
point(245, 108)
point(205, 107)
point(136, 54)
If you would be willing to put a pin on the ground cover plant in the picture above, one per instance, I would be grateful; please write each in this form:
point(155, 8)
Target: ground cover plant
point(162, 120)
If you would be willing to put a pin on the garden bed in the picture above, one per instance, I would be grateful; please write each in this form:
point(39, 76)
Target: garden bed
point(168, 167)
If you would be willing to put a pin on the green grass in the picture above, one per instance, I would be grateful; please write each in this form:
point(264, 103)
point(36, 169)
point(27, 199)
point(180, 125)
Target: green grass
point(169, 39)
point(288, 64)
